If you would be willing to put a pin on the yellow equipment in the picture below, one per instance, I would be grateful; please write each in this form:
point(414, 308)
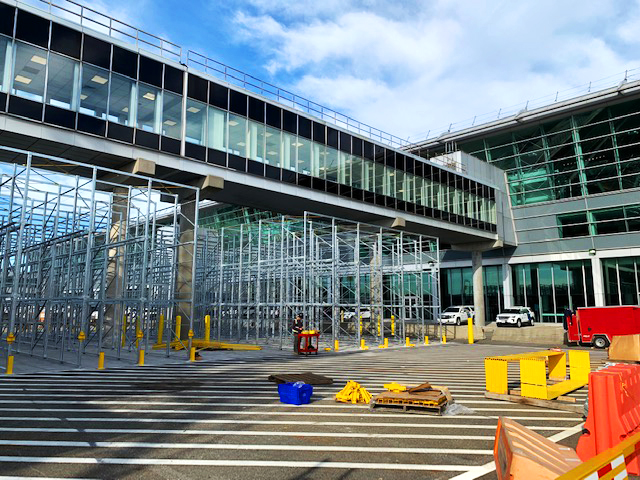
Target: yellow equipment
point(395, 387)
point(353, 393)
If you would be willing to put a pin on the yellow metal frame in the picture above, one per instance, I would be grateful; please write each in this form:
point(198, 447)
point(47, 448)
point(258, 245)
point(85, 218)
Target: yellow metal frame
point(623, 449)
point(533, 373)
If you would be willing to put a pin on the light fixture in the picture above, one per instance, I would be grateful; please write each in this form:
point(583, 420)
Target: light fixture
point(23, 79)
point(241, 144)
point(170, 123)
point(272, 153)
point(83, 96)
point(391, 174)
point(592, 251)
point(99, 79)
point(233, 123)
point(39, 60)
point(193, 109)
point(268, 134)
point(149, 96)
point(296, 144)
point(125, 109)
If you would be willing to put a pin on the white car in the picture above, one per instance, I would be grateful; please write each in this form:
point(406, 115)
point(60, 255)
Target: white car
point(456, 315)
point(515, 316)
point(365, 313)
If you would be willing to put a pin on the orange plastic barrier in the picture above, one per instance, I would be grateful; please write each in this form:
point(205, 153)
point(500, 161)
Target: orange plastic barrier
point(614, 412)
point(521, 454)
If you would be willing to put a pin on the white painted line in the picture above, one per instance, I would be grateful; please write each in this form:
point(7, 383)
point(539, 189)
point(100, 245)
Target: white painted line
point(236, 463)
point(247, 433)
point(262, 422)
point(228, 446)
point(3, 477)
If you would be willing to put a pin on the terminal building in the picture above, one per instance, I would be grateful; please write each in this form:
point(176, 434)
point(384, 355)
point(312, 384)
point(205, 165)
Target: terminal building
point(540, 209)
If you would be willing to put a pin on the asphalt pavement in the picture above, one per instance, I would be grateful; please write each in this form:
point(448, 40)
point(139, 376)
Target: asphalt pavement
point(221, 419)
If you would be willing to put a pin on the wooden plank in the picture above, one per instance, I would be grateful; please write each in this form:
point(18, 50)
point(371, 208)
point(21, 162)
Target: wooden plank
point(553, 404)
point(561, 398)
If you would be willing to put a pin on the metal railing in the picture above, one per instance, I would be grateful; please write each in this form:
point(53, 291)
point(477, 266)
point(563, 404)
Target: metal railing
point(616, 80)
point(90, 18)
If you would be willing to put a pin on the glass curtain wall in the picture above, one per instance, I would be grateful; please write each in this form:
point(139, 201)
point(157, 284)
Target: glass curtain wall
point(549, 288)
point(456, 286)
point(621, 280)
point(582, 154)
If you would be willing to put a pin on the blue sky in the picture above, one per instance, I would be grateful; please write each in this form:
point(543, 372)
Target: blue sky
point(410, 67)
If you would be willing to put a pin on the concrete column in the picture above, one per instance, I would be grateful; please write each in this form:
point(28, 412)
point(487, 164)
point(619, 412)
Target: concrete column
point(478, 288)
point(507, 285)
point(115, 255)
point(598, 281)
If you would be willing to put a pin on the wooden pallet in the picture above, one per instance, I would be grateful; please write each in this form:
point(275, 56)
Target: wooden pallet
point(411, 408)
point(306, 377)
point(430, 402)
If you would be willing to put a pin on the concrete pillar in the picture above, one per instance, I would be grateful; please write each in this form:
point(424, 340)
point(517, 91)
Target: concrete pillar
point(507, 286)
point(598, 281)
point(184, 285)
point(115, 255)
point(478, 288)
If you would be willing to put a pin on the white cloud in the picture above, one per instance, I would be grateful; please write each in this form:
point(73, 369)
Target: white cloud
point(420, 65)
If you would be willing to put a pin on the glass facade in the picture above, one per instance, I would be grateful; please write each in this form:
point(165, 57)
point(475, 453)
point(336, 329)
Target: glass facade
point(88, 84)
point(548, 288)
point(456, 288)
point(581, 154)
point(621, 278)
point(601, 221)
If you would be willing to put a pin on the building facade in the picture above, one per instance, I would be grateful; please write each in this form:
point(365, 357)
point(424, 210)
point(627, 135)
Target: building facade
point(572, 171)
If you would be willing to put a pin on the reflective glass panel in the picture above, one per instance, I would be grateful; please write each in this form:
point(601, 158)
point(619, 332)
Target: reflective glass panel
point(304, 155)
point(256, 141)
point(29, 72)
point(331, 164)
point(122, 102)
point(95, 91)
point(217, 124)
point(196, 122)
point(64, 76)
point(171, 115)
point(273, 146)
point(5, 63)
point(238, 135)
point(356, 172)
point(149, 108)
point(380, 176)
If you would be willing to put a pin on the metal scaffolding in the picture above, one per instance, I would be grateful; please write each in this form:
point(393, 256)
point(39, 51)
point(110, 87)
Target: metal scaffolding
point(92, 261)
point(351, 280)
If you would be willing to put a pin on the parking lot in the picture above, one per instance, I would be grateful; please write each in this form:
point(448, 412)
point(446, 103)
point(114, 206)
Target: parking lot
point(221, 418)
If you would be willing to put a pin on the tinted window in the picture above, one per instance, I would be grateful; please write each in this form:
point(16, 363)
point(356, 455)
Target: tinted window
point(66, 40)
point(7, 15)
point(173, 79)
point(289, 121)
point(96, 52)
point(125, 62)
point(238, 103)
point(274, 115)
point(32, 29)
point(332, 137)
point(304, 127)
point(345, 142)
point(150, 71)
point(319, 133)
point(256, 109)
point(218, 95)
point(197, 88)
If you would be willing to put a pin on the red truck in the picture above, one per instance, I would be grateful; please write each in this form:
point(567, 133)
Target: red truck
point(598, 325)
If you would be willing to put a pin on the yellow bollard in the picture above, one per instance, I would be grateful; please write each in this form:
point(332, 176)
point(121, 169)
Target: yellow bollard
point(407, 342)
point(138, 333)
point(393, 325)
point(9, 365)
point(444, 339)
point(192, 354)
point(362, 345)
point(160, 329)
point(141, 358)
point(378, 325)
point(207, 328)
point(470, 330)
point(426, 340)
point(336, 345)
point(124, 330)
point(178, 327)
point(386, 343)
point(101, 361)
point(360, 324)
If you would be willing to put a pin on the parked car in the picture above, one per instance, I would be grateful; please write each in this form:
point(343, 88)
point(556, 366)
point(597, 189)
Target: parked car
point(515, 316)
point(456, 315)
point(365, 313)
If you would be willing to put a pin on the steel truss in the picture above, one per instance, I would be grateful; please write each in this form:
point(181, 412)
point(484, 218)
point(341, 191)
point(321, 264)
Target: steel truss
point(91, 262)
point(352, 280)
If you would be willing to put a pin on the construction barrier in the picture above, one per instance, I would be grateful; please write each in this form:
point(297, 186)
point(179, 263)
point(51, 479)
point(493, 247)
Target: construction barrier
point(353, 392)
point(614, 412)
point(521, 454)
point(611, 464)
point(533, 373)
